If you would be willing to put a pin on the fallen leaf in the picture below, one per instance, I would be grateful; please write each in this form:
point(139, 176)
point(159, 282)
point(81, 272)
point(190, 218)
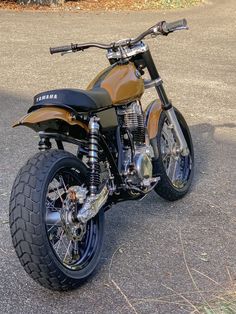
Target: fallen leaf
point(204, 257)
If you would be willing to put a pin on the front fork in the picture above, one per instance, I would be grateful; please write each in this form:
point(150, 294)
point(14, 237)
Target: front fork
point(166, 104)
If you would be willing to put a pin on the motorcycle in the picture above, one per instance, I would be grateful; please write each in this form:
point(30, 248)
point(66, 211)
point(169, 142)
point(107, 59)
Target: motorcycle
point(123, 152)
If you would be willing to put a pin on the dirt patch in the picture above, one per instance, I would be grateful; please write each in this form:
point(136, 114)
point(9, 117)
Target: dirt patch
point(107, 5)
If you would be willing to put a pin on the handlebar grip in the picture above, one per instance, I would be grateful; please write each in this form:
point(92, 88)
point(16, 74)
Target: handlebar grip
point(170, 27)
point(60, 49)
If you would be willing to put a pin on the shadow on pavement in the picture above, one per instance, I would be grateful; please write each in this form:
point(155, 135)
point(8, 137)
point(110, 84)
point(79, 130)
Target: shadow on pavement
point(134, 230)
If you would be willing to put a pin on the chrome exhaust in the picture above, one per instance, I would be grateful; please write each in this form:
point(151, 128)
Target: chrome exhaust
point(92, 205)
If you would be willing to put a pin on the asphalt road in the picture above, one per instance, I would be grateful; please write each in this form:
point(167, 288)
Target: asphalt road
point(158, 257)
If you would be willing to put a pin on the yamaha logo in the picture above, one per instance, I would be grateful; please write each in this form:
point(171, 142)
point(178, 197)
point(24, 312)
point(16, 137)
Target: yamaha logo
point(46, 96)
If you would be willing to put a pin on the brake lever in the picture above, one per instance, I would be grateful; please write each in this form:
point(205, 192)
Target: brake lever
point(154, 35)
point(66, 52)
point(181, 28)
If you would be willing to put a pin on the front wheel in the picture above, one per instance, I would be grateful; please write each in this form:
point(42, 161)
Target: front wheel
point(55, 252)
point(176, 171)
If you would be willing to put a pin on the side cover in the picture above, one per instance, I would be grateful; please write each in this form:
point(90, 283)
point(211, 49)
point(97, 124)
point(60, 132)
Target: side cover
point(123, 83)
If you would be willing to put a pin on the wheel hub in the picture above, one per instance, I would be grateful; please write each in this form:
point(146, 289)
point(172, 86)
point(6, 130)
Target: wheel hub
point(73, 229)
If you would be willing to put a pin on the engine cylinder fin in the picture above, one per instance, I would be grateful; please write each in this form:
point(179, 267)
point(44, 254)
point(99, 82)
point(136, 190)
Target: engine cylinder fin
point(131, 117)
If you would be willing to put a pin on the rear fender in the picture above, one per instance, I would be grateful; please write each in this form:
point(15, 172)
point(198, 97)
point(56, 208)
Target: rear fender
point(49, 118)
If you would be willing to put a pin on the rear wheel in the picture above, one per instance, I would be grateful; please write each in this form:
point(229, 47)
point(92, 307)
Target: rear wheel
point(176, 171)
point(55, 252)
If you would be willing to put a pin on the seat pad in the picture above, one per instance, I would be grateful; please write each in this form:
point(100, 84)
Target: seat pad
point(80, 100)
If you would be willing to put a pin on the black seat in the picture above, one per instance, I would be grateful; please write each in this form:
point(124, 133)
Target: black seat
point(80, 100)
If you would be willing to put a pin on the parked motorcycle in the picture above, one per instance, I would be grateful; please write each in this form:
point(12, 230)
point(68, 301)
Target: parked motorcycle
point(124, 152)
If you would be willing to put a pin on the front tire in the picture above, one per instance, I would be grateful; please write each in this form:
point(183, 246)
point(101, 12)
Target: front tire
point(176, 171)
point(37, 191)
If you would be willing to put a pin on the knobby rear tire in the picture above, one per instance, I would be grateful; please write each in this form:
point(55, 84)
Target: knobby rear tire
point(27, 222)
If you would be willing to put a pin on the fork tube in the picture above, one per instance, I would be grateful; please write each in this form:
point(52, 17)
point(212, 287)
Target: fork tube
point(166, 104)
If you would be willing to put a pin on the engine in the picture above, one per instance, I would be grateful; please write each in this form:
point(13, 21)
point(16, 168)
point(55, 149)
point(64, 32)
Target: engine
point(135, 160)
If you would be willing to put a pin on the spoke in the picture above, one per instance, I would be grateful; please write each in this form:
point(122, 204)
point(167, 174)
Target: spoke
point(56, 224)
point(165, 156)
point(56, 209)
point(166, 147)
point(171, 169)
point(60, 240)
point(67, 251)
point(174, 171)
point(63, 183)
point(49, 203)
point(58, 192)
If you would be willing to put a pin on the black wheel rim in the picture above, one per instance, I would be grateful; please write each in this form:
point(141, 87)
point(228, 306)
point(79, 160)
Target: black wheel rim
point(177, 167)
point(72, 254)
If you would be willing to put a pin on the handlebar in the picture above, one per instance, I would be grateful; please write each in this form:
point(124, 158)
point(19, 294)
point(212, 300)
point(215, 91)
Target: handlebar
point(161, 28)
point(61, 49)
point(77, 47)
point(174, 26)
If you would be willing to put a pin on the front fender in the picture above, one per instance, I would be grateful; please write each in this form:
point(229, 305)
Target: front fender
point(46, 117)
point(152, 116)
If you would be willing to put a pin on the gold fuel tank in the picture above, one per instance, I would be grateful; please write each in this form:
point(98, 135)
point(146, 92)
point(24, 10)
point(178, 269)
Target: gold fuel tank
point(122, 82)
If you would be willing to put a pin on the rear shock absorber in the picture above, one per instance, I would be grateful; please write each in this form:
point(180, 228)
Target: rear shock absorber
point(94, 176)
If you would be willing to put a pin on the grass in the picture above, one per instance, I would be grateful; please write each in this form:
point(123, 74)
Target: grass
point(73, 5)
point(219, 299)
point(166, 4)
point(224, 304)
